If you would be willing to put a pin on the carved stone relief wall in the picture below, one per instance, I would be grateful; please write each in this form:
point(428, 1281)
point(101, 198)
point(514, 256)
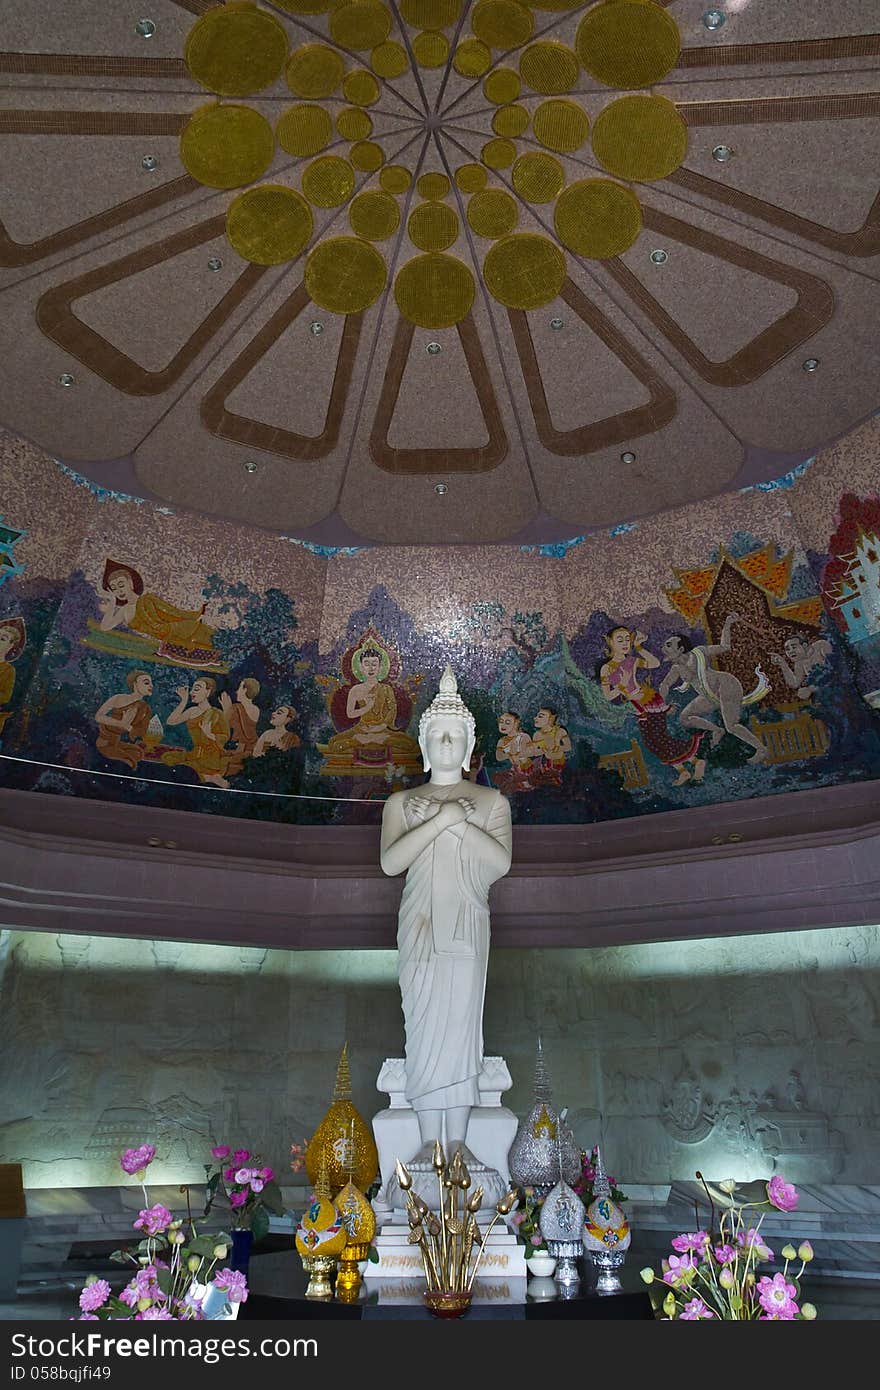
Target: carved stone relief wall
point(738, 1057)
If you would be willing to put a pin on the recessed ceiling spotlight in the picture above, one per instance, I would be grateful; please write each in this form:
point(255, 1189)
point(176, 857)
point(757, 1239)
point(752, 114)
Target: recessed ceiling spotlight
point(249, 466)
point(66, 379)
point(432, 349)
point(146, 28)
point(811, 364)
point(713, 19)
point(441, 489)
point(557, 324)
point(150, 162)
point(659, 257)
point(628, 457)
point(722, 154)
point(316, 328)
point(215, 263)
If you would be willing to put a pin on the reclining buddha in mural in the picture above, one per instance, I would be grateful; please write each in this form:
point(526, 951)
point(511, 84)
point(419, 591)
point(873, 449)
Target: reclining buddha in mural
point(370, 711)
point(142, 625)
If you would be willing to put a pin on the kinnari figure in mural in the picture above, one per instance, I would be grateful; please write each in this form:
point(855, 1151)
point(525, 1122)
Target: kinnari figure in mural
point(208, 729)
point(278, 735)
point(182, 635)
point(806, 665)
point(715, 689)
point(123, 721)
point(242, 717)
point(13, 636)
point(620, 680)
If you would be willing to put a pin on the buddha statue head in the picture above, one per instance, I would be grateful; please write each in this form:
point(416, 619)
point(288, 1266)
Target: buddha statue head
point(447, 730)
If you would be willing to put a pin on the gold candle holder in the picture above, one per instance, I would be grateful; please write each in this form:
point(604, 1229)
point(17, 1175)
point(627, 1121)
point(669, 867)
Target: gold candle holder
point(319, 1269)
point(348, 1280)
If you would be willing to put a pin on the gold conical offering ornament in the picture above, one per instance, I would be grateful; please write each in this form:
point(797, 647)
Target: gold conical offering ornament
point(359, 1220)
point(343, 1129)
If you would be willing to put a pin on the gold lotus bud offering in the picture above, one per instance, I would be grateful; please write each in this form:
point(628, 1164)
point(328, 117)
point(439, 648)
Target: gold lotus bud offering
point(344, 1137)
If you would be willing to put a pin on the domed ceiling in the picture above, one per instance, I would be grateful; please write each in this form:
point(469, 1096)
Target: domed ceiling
point(427, 271)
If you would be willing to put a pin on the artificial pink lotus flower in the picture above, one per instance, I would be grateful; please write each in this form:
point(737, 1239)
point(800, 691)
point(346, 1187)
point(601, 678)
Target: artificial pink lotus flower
point(136, 1161)
point(153, 1220)
point(782, 1194)
point(221, 1151)
point(241, 1156)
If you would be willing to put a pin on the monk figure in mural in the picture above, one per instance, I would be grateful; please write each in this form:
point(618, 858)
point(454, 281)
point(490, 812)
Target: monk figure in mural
point(182, 635)
point(208, 729)
point(12, 642)
point(123, 721)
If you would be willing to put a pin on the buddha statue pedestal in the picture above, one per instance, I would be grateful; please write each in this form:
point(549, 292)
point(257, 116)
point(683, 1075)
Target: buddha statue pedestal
point(491, 1130)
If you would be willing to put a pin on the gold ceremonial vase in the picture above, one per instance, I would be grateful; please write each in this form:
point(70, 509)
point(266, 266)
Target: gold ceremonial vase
point(319, 1268)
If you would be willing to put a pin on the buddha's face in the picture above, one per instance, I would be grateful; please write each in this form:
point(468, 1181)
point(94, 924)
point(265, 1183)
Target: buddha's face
point(8, 639)
point(370, 663)
point(120, 586)
point(620, 642)
point(447, 743)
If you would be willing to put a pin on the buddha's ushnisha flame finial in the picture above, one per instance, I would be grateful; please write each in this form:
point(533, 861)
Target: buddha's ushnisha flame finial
point(342, 1089)
point(448, 683)
point(447, 703)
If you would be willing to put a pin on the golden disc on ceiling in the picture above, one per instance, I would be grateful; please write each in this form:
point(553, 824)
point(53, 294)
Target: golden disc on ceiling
point(502, 86)
point(510, 120)
point(498, 154)
point(472, 58)
point(559, 125)
point(501, 23)
point(628, 43)
point(524, 271)
point(329, 181)
point(471, 178)
point(269, 225)
point(434, 291)
point(430, 14)
point(367, 156)
point(236, 50)
point(640, 138)
point(433, 185)
point(345, 275)
point(537, 177)
point(353, 124)
point(430, 49)
point(394, 178)
point(360, 24)
point(360, 88)
point(549, 67)
point(226, 146)
point(433, 227)
point(389, 59)
point(374, 215)
point(304, 129)
point(492, 213)
point(314, 71)
point(597, 218)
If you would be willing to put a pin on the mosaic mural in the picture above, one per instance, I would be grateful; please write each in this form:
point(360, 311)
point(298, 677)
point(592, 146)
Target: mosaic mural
point(704, 656)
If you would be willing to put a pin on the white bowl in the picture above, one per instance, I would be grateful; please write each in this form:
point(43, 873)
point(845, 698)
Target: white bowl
point(542, 1266)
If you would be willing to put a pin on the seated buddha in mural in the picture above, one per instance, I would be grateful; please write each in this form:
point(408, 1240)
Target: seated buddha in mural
point(12, 642)
point(181, 635)
point(371, 712)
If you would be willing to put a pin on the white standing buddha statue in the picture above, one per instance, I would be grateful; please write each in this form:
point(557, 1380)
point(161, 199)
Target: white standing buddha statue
point(452, 838)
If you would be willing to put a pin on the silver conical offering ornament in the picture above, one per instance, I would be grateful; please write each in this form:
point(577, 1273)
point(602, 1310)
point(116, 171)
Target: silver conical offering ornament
point(534, 1154)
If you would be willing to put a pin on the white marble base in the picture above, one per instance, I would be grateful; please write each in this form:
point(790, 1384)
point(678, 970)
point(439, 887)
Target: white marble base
point(503, 1257)
point(491, 1128)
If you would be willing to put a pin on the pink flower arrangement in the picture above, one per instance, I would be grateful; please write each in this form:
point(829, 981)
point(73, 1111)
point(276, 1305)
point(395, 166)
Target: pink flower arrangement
point(247, 1185)
point(162, 1289)
point(715, 1274)
point(584, 1185)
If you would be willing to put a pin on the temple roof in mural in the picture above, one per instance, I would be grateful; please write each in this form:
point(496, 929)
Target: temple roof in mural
point(437, 270)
